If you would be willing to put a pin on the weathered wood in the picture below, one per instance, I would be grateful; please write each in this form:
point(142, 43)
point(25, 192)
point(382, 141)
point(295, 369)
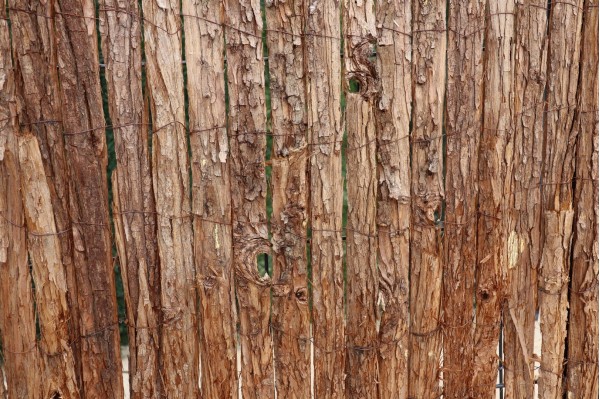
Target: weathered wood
point(178, 354)
point(361, 83)
point(17, 318)
point(325, 128)
point(582, 357)
point(557, 197)
point(464, 109)
point(394, 109)
point(211, 198)
point(290, 310)
point(48, 274)
point(523, 202)
point(428, 75)
point(133, 209)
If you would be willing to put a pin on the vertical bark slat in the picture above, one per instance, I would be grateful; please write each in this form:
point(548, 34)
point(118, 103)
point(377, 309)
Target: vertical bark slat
point(211, 198)
point(86, 157)
point(557, 198)
point(178, 352)
point(133, 212)
point(247, 126)
point(429, 74)
point(523, 216)
point(394, 109)
point(361, 238)
point(325, 128)
point(464, 107)
point(582, 360)
point(291, 314)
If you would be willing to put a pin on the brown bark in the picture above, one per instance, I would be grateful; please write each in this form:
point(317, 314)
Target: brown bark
point(179, 340)
point(134, 210)
point(325, 128)
point(464, 108)
point(211, 198)
point(17, 318)
point(247, 124)
point(429, 52)
point(291, 314)
point(582, 358)
point(394, 108)
point(523, 203)
point(361, 238)
point(557, 198)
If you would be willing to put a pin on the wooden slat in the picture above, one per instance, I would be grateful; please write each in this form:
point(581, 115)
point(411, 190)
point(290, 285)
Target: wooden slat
point(394, 108)
point(247, 125)
point(582, 358)
point(86, 157)
point(291, 313)
point(326, 189)
point(464, 108)
point(211, 198)
point(178, 352)
point(133, 208)
point(428, 75)
point(362, 86)
point(557, 198)
point(523, 217)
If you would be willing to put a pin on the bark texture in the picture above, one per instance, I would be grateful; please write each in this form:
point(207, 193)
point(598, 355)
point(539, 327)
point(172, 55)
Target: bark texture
point(133, 208)
point(582, 356)
point(178, 354)
point(429, 52)
point(464, 110)
point(523, 202)
point(393, 117)
point(211, 197)
point(361, 83)
point(325, 128)
point(291, 314)
point(557, 198)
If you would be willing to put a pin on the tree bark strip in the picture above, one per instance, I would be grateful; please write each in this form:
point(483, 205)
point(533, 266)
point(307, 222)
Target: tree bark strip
point(361, 238)
point(557, 198)
point(523, 217)
point(247, 127)
point(58, 367)
point(464, 108)
point(134, 209)
point(211, 198)
point(86, 157)
point(178, 354)
point(17, 318)
point(39, 110)
point(325, 128)
point(291, 314)
point(429, 52)
point(582, 358)
point(393, 116)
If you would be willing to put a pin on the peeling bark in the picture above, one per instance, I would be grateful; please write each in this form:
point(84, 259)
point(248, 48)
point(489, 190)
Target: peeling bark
point(291, 313)
point(211, 198)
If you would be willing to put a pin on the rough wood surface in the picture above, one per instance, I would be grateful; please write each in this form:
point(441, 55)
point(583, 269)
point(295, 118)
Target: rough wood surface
point(393, 116)
point(86, 159)
point(291, 313)
point(133, 208)
point(429, 82)
point(361, 83)
point(523, 202)
point(582, 356)
point(464, 108)
point(323, 74)
point(557, 198)
point(211, 197)
point(178, 354)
